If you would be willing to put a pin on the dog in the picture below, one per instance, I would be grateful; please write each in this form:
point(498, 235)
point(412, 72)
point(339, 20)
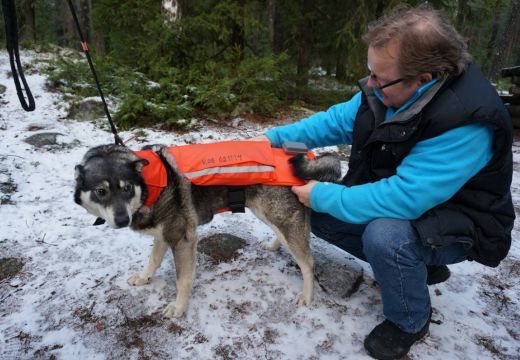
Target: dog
point(110, 185)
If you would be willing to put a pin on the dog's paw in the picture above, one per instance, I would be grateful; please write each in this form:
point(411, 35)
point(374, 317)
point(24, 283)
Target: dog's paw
point(274, 246)
point(173, 310)
point(138, 280)
point(302, 300)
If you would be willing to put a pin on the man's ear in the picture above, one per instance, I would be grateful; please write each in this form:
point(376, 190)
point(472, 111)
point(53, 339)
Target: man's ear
point(140, 164)
point(79, 173)
point(425, 78)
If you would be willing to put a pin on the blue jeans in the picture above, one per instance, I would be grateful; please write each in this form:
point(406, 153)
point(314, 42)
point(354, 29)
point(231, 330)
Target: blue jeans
point(398, 259)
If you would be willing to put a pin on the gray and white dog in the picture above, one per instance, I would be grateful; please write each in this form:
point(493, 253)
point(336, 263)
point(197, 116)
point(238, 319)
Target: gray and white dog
point(109, 185)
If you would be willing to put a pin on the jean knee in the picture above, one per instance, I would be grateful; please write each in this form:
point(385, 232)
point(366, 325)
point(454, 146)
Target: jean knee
point(383, 237)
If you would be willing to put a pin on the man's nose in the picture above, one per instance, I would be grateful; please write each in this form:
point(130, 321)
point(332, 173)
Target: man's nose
point(370, 83)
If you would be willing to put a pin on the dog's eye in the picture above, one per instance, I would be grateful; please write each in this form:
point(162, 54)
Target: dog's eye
point(100, 192)
point(127, 188)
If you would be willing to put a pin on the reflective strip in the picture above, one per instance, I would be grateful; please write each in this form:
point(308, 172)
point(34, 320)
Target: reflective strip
point(227, 170)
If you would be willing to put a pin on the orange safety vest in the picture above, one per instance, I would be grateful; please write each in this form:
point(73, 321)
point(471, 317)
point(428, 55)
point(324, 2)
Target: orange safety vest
point(231, 163)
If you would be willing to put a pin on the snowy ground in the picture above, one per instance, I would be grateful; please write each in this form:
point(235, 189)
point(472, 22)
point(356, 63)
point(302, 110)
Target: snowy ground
point(71, 299)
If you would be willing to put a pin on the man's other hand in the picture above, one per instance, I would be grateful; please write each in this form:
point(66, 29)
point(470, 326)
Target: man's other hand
point(304, 192)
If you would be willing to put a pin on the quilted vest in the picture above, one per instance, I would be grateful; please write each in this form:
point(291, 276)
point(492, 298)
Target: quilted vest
point(481, 214)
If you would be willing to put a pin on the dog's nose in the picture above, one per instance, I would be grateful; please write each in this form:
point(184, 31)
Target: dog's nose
point(121, 220)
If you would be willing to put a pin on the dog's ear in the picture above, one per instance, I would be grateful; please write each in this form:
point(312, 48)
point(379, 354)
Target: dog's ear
point(79, 173)
point(140, 164)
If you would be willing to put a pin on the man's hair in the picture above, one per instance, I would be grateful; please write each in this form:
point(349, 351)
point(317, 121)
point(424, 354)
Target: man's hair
point(427, 42)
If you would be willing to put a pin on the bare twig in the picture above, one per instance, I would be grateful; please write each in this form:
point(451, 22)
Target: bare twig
point(12, 156)
point(42, 241)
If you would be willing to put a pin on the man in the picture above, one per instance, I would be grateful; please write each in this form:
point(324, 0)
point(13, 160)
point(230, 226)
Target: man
point(429, 172)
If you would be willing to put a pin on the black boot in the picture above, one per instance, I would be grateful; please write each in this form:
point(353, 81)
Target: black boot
point(437, 274)
point(387, 341)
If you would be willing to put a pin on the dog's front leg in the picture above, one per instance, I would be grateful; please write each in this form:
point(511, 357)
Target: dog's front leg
point(185, 257)
point(158, 250)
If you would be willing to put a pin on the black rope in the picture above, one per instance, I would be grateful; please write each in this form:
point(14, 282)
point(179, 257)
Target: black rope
point(11, 41)
point(84, 46)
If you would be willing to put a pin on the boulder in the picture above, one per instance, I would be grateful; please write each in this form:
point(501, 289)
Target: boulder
point(337, 276)
point(86, 110)
point(221, 247)
point(43, 139)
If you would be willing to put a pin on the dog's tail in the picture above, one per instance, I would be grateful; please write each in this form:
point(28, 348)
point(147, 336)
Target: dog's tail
point(326, 167)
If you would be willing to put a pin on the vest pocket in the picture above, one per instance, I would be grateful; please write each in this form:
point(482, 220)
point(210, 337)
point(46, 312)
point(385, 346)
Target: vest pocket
point(443, 226)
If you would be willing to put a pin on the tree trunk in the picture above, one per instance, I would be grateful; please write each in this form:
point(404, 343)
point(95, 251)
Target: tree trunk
point(276, 30)
point(99, 40)
point(84, 19)
point(341, 63)
point(508, 39)
point(304, 43)
point(493, 37)
point(271, 8)
point(238, 36)
point(29, 20)
point(171, 10)
point(67, 30)
point(462, 5)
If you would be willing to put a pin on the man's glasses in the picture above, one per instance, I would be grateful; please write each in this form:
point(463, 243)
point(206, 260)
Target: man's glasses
point(374, 79)
point(388, 84)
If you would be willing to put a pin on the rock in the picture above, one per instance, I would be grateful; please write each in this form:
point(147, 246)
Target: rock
point(7, 188)
point(86, 110)
point(339, 277)
point(2, 89)
point(35, 127)
point(241, 108)
point(515, 90)
point(9, 267)
point(221, 247)
point(43, 139)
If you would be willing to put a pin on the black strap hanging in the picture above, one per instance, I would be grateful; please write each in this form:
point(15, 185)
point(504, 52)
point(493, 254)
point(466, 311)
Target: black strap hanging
point(84, 46)
point(11, 41)
point(236, 199)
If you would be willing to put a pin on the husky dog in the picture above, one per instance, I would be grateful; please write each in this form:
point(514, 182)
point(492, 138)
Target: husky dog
point(109, 185)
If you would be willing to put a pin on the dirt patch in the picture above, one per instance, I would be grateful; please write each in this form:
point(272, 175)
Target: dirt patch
point(9, 267)
point(7, 185)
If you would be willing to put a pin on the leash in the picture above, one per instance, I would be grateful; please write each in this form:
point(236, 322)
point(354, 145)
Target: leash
point(84, 47)
point(11, 41)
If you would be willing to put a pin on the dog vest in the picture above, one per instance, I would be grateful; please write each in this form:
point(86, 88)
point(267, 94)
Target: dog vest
point(229, 163)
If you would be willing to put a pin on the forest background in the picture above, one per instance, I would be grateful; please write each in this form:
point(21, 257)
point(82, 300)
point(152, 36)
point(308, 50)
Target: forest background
point(170, 62)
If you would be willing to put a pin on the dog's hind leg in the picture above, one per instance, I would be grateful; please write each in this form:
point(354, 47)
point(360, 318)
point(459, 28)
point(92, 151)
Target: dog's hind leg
point(158, 250)
point(185, 257)
point(298, 244)
point(294, 232)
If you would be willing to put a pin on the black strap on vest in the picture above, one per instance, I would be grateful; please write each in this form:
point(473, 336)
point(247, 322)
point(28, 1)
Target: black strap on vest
point(237, 199)
point(11, 42)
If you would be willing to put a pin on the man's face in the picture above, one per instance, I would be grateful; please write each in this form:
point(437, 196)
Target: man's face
point(383, 65)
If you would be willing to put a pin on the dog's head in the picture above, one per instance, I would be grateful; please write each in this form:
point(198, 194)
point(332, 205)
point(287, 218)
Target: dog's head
point(109, 184)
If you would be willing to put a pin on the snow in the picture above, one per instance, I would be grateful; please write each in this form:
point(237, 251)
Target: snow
point(71, 299)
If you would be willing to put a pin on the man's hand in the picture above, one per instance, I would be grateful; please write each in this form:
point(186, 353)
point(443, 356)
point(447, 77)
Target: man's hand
point(304, 192)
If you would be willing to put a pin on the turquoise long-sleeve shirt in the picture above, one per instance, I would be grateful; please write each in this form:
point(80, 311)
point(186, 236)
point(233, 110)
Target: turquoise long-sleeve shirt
point(434, 170)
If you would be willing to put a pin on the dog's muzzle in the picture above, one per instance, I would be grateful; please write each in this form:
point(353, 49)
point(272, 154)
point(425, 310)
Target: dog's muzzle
point(121, 220)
